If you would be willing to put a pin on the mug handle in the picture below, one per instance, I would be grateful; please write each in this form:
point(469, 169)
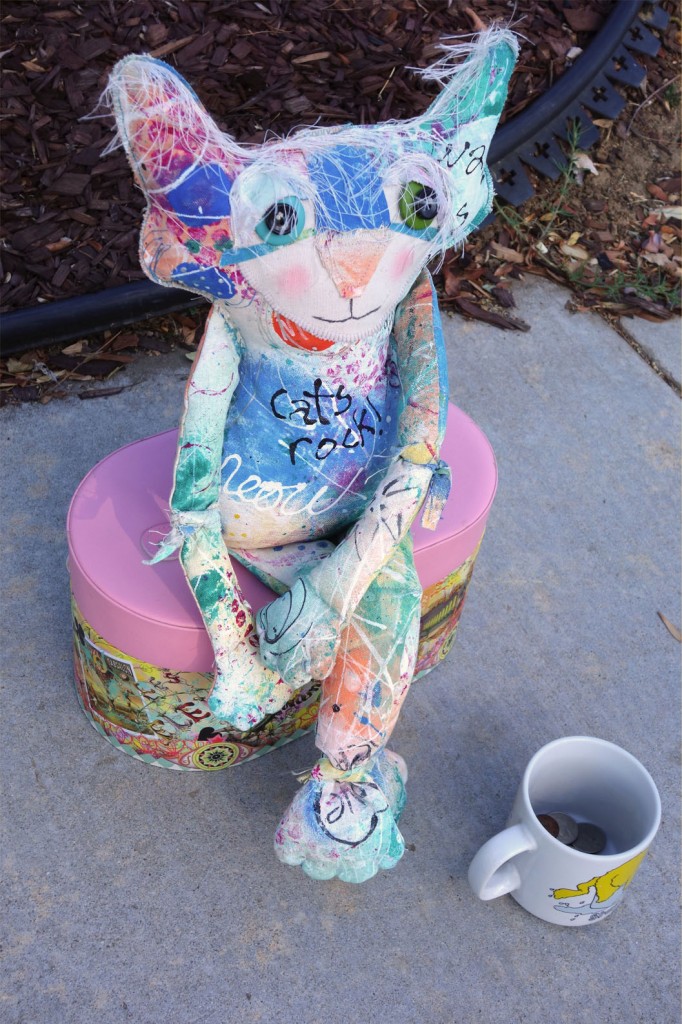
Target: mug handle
point(490, 873)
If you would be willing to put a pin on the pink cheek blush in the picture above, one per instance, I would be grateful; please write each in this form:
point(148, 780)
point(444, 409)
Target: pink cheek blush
point(294, 281)
point(402, 262)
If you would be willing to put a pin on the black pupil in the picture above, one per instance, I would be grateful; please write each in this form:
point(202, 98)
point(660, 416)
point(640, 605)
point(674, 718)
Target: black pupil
point(281, 219)
point(424, 204)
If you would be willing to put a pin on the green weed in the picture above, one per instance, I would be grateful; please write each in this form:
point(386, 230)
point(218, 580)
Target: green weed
point(656, 287)
point(532, 233)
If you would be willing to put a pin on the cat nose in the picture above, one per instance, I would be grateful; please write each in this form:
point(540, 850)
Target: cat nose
point(351, 258)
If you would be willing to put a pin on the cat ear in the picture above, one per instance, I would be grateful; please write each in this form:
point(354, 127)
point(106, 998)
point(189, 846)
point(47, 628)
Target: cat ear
point(179, 156)
point(458, 127)
point(475, 90)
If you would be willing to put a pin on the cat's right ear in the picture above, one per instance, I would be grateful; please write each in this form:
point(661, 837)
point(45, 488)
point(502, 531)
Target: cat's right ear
point(164, 127)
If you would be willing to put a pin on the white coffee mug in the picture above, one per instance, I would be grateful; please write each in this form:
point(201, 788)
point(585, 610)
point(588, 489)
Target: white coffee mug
point(592, 781)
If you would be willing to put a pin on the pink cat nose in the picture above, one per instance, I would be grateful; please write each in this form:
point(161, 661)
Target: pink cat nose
point(351, 259)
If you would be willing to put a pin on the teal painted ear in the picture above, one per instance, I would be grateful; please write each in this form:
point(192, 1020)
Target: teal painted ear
point(475, 88)
point(458, 127)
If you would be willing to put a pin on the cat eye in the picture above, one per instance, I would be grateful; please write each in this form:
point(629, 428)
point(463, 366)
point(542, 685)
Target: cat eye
point(418, 205)
point(283, 222)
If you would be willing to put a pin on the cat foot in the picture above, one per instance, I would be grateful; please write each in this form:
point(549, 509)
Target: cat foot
point(244, 696)
point(390, 772)
point(346, 827)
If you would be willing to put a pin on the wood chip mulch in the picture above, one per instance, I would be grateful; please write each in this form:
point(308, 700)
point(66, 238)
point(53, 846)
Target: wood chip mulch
point(71, 216)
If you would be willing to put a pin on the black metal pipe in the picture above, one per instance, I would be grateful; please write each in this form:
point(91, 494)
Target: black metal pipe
point(55, 322)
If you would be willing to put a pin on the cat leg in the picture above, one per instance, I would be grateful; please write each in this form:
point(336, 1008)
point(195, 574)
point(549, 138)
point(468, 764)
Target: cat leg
point(245, 690)
point(279, 567)
point(343, 821)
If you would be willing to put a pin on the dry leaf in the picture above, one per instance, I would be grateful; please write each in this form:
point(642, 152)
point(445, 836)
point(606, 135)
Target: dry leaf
point(659, 259)
point(503, 252)
point(189, 334)
point(74, 350)
point(503, 296)
point(16, 366)
point(673, 630)
point(642, 305)
point(653, 243)
point(582, 163)
point(102, 392)
point(575, 237)
point(452, 283)
point(124, 341)
point(488, 316)
point(669, 211)
point(575, 252)
point(657, 192)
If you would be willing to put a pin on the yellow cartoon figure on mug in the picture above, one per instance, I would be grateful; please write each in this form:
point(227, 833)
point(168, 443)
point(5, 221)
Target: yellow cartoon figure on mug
point(599, 895)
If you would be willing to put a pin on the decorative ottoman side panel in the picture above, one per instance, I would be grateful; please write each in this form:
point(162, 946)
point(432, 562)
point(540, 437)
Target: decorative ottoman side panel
point(161, 716)
point(441, 609)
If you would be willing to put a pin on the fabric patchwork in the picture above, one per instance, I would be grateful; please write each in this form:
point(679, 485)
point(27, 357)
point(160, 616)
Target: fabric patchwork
point(315, 410)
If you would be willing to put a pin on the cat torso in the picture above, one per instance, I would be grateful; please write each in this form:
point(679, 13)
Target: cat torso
point(307, 438)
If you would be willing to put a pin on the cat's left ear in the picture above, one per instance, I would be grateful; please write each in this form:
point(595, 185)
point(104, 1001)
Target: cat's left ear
point(179, 156)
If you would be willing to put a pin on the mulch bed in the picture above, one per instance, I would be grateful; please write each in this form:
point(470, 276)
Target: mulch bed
point(72, 216)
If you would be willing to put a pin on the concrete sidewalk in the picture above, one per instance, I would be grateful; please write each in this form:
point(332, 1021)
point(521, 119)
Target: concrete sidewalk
point(138, 894)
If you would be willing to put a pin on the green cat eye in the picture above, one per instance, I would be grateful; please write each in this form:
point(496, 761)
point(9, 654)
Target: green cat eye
point(282, 222)
point(418, 205)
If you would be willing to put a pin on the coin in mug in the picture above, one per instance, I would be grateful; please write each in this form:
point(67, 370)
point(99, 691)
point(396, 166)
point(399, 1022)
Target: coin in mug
point(549, 824)
point(590, 838)
point(568, 828)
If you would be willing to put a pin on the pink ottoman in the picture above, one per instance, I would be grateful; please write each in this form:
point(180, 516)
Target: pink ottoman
point(142, 658)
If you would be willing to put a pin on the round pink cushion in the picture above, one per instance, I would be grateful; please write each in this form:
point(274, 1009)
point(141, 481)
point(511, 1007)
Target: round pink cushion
point(120, 511)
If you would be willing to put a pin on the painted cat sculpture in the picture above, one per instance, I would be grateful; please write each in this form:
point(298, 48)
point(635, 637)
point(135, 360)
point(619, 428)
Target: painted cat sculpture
point(315, 408)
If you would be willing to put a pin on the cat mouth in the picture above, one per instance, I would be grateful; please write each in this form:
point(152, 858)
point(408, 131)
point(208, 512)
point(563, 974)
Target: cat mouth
point(347, 319)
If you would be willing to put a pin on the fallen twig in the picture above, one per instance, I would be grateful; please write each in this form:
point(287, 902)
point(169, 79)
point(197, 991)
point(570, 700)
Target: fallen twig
point(648, 100)
point(672, 629)
point(105, 392)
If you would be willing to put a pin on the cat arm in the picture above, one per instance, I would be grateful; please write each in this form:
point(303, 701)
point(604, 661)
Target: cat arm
point(243, 691)
point(299, 632)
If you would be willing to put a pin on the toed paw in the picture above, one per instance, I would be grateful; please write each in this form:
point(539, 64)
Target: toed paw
point(345, 829)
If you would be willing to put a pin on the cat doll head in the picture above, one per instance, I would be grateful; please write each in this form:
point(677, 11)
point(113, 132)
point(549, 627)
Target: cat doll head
point(326, 230)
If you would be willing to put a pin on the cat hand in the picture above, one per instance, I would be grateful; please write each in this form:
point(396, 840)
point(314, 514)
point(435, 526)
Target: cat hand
point(299, 635)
